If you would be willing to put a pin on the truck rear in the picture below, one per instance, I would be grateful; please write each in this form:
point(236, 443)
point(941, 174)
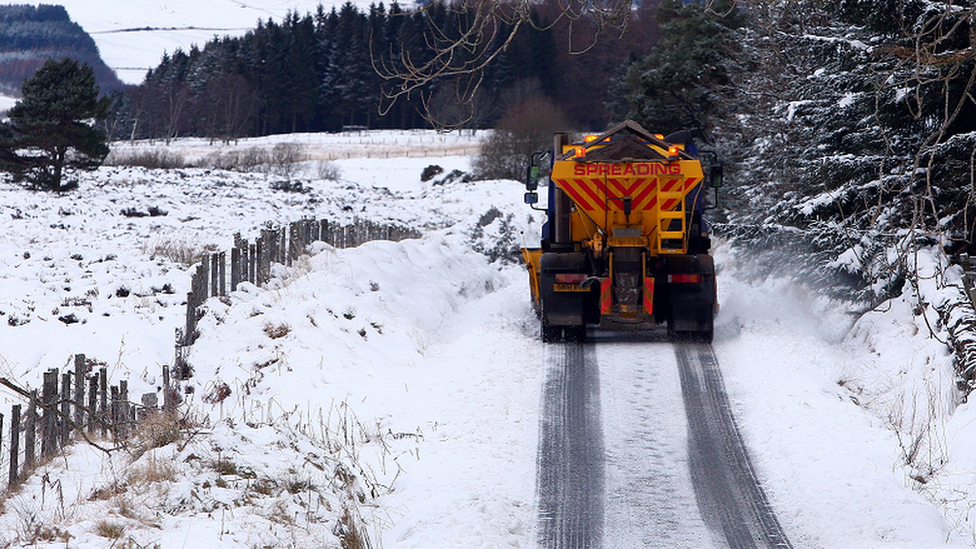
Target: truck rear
point(625, 245)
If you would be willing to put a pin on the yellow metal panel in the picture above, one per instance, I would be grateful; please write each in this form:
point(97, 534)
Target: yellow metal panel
point(656, 192)
point(628, 241)
point(532, 257)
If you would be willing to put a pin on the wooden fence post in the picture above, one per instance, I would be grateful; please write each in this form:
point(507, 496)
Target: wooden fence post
point(13, 478)
point(238, 255)
point(252, 262)
point(297, 247)
point(79, 391)
point(180, 367)
point(103, 412)
point(325, 234)
point(114, 413)
point(267, 254)
point(167, 390)
point(292, 242)
point(191, 318)
point(259, 249)
point(235, 268)
point(222, 273)
point(64, 420)
point(245, 262)
point(49, 421)
point(203, 282)
point(281, 237)
point(123, 412)
point(92, 402)
point(30, 431)
point(214, 274)
point(264, 251)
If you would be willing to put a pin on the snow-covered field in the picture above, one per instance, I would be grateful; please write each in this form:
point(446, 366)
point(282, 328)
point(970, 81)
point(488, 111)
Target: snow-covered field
point(378, 144)
point(401, 381)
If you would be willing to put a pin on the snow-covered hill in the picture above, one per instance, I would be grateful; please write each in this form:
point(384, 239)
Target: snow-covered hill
point(133, 35)
point(398, 384)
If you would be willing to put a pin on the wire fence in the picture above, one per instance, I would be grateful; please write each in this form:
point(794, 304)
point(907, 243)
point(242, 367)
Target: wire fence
point(250, 261)
point(81, 404)
point(73, 404)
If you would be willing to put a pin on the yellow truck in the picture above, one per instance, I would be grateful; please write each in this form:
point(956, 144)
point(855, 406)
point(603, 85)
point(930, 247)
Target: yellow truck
point(625, 245)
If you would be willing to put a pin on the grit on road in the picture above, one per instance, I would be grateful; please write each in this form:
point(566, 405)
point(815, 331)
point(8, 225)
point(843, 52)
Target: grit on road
point(638, 448)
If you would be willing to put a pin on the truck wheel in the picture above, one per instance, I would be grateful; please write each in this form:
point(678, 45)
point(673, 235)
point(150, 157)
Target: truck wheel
point(576, 333)
point(705, 335)
point(551, 334)
point(672, 333)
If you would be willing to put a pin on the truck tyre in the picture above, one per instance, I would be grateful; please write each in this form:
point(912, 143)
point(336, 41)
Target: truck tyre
point(551, 334)
point(548, 332)
point(705, 335)
point(576, 333)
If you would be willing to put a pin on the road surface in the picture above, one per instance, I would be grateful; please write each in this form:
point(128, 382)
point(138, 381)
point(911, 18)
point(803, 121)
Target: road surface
point(639, 448)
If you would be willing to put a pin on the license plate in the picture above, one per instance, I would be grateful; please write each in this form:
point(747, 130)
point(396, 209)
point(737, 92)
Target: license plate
point(559, 287)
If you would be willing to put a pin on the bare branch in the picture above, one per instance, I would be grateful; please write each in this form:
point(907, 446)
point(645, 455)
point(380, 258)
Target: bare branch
point(481, 31)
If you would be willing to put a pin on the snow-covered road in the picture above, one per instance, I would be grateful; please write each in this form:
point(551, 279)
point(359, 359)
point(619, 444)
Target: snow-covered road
point(638, 448)
point(650, 497)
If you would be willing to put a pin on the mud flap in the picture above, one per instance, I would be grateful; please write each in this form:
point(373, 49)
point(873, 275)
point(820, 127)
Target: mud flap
point(561, 308)
point(693, 306)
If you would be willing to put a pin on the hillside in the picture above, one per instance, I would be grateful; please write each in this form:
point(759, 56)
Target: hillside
point(30, 35)
point(132, 36)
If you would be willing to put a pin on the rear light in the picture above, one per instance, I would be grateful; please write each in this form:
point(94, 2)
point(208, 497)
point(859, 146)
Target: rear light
point(685, 279)
point(573, 278)
point(590, 138)
point(674, 152)
point(581, 152)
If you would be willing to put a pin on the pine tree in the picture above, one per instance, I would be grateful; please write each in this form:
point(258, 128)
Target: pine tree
point(680, 84)
point(48, 135)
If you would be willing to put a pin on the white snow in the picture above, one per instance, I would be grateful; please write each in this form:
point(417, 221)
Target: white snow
point(5, 104)
point(847, 100)
point(826, 408)
point(403, 380)
point(356, 149)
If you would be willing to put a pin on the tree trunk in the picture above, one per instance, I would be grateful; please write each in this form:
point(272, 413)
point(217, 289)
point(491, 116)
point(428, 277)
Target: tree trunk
point(59, 156)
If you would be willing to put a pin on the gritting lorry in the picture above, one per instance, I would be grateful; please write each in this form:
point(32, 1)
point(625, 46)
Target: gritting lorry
point(625, 245)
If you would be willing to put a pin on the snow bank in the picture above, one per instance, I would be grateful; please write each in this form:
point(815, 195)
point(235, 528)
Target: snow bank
point(398, 381)
point(844, 412)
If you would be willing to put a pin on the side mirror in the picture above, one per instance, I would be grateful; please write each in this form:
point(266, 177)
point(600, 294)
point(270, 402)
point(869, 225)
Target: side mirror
point(534, 169)
point(715, 175)
point(532, 198)
point(531, 180)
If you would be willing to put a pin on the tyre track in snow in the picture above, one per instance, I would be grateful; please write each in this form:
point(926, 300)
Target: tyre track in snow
point(570, 462)
point(665, 468)
point(729, 495)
